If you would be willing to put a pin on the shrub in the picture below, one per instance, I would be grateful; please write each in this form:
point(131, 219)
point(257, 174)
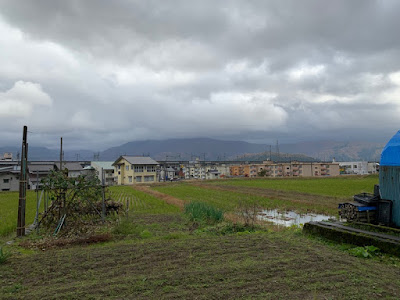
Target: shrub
point(365, 252)
point(3, 256)
point(203, 212)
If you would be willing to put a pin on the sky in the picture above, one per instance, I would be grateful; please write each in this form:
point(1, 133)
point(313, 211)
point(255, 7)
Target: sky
point(102, 73)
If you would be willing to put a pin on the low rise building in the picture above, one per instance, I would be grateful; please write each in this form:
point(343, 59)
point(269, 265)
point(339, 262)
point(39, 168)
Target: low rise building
point(135, 169)
point(9, 178)
point(286, 169)
point(354, 167)
point(106, 169)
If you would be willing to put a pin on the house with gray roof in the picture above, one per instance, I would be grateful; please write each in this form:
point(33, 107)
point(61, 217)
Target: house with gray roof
point(135, 169)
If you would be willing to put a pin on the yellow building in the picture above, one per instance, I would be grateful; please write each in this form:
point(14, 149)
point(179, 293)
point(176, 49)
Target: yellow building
point(135, 169)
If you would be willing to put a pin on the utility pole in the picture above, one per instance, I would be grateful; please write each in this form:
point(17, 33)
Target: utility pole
point(270, 152)
point(22, 185)
point(61, 154)
point(277, 149)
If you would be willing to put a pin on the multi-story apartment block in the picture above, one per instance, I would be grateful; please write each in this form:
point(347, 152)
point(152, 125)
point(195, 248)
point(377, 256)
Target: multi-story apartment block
point(287, 169)
point(135, 169)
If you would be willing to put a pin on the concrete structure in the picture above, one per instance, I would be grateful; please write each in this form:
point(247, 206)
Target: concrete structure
point(286, 169)
point(106, 168)
point(9, 178)
point(135, 169)
point(354, 167)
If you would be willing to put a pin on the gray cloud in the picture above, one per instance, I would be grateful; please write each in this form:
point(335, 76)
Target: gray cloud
point(124, 70)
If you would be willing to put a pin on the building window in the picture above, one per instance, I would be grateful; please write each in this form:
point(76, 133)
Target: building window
point(148, 178)
point(138, 178)
point(119, 167)
point(6, 180)
point(127, 168)
point(139, 169)
point(355, 166)
point(151, 168)
point(130, 178)
point(119, 172)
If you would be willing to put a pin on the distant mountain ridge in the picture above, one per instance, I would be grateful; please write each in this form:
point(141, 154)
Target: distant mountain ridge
point(212, 149)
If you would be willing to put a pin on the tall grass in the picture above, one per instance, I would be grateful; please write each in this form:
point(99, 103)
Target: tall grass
point(203, 212)
point(9, 211)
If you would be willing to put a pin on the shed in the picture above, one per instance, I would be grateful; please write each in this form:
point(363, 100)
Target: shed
point(389, 176)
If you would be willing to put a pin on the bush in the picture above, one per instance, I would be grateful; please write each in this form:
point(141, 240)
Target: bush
point(365, 252)
point(3, 256)
point(203, 212)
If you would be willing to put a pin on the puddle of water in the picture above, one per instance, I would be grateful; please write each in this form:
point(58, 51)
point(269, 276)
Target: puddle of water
point(290, 218)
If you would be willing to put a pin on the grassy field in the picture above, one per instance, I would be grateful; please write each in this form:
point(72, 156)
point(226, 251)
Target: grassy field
point(158, 253)
point(139, 201)
point(9, 211)
point(318, 195)
point(345, 186)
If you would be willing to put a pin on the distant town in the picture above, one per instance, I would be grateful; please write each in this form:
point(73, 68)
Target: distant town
point(127, 170)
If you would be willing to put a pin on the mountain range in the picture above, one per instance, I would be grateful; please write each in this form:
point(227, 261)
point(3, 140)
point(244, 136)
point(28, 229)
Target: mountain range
point(212, 149)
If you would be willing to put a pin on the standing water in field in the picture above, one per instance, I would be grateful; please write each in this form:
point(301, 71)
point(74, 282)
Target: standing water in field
point(290, 218)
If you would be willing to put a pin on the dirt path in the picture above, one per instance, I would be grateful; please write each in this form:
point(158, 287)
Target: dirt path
point(167, 198)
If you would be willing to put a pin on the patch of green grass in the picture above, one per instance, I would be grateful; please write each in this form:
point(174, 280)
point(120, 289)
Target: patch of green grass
point(4, 255)
point(345, 186)
point(203, 212)
point(9, 210)
point(231, 201)
point(140, 202)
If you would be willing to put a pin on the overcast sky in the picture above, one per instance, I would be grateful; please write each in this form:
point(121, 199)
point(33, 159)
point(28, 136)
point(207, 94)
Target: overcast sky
point(102, 73)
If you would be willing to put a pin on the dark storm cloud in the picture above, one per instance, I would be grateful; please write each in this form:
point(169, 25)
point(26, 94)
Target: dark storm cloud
point(115, 71)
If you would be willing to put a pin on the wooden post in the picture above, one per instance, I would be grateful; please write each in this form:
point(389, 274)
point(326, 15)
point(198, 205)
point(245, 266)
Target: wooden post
point(103, 207)
point(22, 185)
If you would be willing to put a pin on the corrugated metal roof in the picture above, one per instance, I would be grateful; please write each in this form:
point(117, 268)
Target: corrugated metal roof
point(106, 165)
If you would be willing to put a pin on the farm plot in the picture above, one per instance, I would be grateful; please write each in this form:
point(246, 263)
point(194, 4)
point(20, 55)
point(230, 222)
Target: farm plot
point(231, 199)
point(9, 210)
point(251, 266)
point(139, 202)
point(341, 187)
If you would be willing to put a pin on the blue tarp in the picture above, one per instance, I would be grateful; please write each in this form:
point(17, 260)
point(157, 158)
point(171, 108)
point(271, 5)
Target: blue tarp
point(391, 153)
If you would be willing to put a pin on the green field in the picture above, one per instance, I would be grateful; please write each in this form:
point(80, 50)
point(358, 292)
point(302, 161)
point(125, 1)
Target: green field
point(318, 195)
point(140, 202)
point(230, 201)
point(9, 211)
point(334, 186)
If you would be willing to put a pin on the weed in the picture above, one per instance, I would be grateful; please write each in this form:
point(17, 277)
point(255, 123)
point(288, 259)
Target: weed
point(126, 227)
point(203, 212)
point(248, 211)
point(4, 255)
point(145, 234)
point(229, 228)
point(365, 252)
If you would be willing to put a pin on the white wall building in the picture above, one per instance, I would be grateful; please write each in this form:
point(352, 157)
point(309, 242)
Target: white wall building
point(354, 167)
